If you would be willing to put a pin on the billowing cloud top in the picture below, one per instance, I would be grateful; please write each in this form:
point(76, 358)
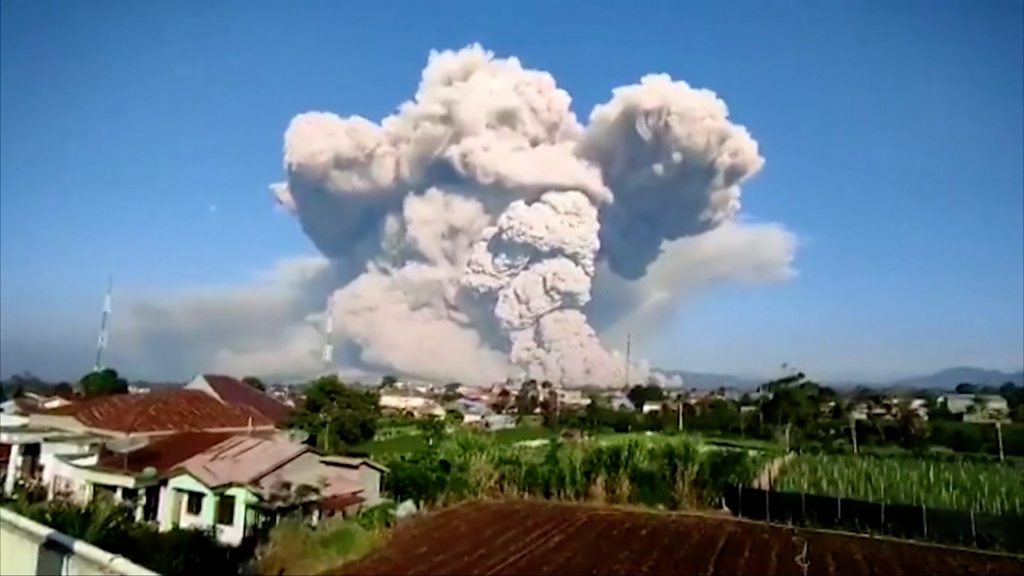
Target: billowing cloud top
point(482, 231)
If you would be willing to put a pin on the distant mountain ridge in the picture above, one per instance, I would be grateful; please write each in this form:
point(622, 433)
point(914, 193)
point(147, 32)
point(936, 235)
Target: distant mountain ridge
point(950, 377)
point(944, 379)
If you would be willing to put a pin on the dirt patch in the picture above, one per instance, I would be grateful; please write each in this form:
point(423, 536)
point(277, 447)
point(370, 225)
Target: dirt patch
point(529, 537)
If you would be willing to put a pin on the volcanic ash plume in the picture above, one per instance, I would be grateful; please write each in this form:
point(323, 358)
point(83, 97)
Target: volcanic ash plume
point(469, 227)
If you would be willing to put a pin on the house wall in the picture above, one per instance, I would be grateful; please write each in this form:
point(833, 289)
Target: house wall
point(177, 491)
point(49, 451)
point(65, 477)
point(184, 484)
point(369, 479)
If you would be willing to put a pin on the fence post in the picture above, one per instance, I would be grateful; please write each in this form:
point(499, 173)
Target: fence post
point(882, 525)
point(839, 509)
point(767, 507)
point(924, 519)
point(741, 500)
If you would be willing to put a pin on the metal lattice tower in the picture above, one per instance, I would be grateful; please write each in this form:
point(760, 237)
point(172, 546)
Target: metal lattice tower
point(101, 341)
point(328, 351)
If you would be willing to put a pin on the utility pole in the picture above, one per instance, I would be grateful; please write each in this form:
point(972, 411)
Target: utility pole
point(853, 431)
point(328, 350)
point(101, 341)
point(629, 337)
point(999, 434)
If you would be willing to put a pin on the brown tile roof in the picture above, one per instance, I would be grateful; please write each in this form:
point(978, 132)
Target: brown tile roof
point(163, 453)
point(233, 391)
point(174, 410)
point(241, 460)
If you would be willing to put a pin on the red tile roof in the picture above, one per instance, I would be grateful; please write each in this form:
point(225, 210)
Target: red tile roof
point(163, 453)
point(175, 410)
point(233, 391)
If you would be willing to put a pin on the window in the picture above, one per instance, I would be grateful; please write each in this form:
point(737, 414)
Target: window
point(226, 510)
point(194, 504)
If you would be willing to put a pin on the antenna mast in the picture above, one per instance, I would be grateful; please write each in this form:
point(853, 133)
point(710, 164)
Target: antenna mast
point(328, 351)
point(101, 341)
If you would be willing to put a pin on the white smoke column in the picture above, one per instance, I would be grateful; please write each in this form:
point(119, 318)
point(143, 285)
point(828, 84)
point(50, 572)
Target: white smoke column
point(467, 227)
point(537, 265)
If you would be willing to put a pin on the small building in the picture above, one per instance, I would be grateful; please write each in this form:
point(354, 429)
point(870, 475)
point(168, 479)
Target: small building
point(572, 398)
point(229, 483)
point(652, 406)
point(621, 403)
point(499, 421)
point(418, 406)
point(245, 482)
point(977, 407)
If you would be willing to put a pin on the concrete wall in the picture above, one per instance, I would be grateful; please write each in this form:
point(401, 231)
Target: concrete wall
point(369, 478)
point(231, 534)
point(29, 548)
point(49, 451)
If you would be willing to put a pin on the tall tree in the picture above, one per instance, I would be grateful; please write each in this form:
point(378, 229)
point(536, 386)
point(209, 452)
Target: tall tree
point(432, 429)
point(966, 388)
point(641, 394)
point(336, 415)
point(502, 402)
point(103, 383)
point(63, 390)
point(528, 398)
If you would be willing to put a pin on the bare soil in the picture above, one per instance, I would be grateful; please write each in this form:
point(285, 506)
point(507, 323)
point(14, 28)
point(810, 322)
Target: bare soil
point(530, 538)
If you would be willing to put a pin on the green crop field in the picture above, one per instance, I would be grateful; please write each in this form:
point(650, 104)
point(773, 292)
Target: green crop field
point(991, 488)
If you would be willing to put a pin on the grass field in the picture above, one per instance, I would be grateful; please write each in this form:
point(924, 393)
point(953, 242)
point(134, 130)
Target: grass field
point(413, 442)
point(992, 488)
point(294, 547)
point(404, 444)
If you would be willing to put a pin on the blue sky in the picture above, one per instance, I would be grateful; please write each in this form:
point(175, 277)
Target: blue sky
point(892, 133)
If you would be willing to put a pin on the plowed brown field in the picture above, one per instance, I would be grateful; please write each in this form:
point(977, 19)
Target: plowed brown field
point(505, 538)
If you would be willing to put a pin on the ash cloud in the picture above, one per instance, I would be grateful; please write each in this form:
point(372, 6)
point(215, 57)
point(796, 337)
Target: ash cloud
point(482, 231)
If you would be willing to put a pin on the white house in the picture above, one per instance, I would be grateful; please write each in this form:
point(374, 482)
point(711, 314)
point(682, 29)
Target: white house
point(572, 398)
point(243, 482)
point(406, 403)
point(652, 406)
point(977, 407)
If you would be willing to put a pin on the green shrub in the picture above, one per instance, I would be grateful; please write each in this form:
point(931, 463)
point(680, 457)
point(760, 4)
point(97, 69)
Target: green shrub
point(295, 547)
